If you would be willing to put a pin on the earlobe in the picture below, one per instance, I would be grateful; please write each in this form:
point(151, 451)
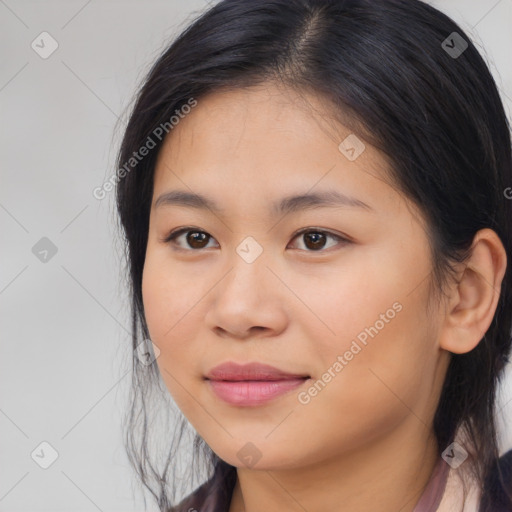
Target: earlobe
point(474, 297)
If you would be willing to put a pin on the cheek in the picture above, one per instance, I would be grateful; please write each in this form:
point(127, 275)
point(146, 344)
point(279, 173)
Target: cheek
point(377, 323)
point(169, 308)
point(357, 301)
point(382, 358)
point(375, 387)
point(169, 297)
point(172, 302)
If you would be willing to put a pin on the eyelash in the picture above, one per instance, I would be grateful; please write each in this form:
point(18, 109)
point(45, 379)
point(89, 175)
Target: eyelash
point(171, 237)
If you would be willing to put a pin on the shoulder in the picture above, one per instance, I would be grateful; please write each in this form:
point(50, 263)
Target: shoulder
point(497, 494)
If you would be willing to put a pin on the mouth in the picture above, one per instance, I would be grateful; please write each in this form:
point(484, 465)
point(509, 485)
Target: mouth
point(252, 384)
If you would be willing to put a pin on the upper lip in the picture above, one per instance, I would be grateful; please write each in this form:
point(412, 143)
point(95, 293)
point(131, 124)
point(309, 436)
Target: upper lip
point(251, 371)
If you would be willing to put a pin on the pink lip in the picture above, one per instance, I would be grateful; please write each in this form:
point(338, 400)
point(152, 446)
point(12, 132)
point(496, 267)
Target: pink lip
point(251, 384)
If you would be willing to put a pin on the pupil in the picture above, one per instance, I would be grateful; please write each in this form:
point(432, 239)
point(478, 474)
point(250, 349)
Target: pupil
point(196, 237)
point(316, 237)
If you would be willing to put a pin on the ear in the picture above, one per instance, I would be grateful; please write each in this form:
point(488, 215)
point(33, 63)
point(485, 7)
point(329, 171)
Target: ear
point(474, 297)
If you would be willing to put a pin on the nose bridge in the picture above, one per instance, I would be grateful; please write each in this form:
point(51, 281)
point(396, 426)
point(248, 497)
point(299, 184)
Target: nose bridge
point(248, 267)
point(243, 300)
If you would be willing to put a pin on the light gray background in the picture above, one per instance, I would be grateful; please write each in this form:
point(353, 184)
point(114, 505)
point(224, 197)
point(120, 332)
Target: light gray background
point(65, 341)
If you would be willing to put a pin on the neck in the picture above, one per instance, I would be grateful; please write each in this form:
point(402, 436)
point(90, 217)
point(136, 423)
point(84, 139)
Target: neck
point(388, 475)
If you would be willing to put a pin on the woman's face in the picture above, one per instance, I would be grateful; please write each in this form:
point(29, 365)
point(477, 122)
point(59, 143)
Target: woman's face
point(342, 306)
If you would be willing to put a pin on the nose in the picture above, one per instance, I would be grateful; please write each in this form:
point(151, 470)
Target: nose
point(248, 301)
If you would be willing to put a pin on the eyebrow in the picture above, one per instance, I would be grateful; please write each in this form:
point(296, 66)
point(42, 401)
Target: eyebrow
point(289, 204)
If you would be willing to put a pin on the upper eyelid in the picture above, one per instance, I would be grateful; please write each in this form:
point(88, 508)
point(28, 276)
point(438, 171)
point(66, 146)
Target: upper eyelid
point(318, 230)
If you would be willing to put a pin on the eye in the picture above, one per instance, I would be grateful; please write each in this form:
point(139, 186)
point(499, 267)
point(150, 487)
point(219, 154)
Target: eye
point(315, 239)
point(195, 238)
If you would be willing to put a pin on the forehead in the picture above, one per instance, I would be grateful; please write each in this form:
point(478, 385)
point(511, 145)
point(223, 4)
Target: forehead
point(262, 140)
point(246, 117)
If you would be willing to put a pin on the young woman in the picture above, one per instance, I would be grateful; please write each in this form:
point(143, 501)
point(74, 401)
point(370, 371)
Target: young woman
point(315, 197)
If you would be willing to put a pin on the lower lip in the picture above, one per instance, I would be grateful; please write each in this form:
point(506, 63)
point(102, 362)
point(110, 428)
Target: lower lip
point(253, 393)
